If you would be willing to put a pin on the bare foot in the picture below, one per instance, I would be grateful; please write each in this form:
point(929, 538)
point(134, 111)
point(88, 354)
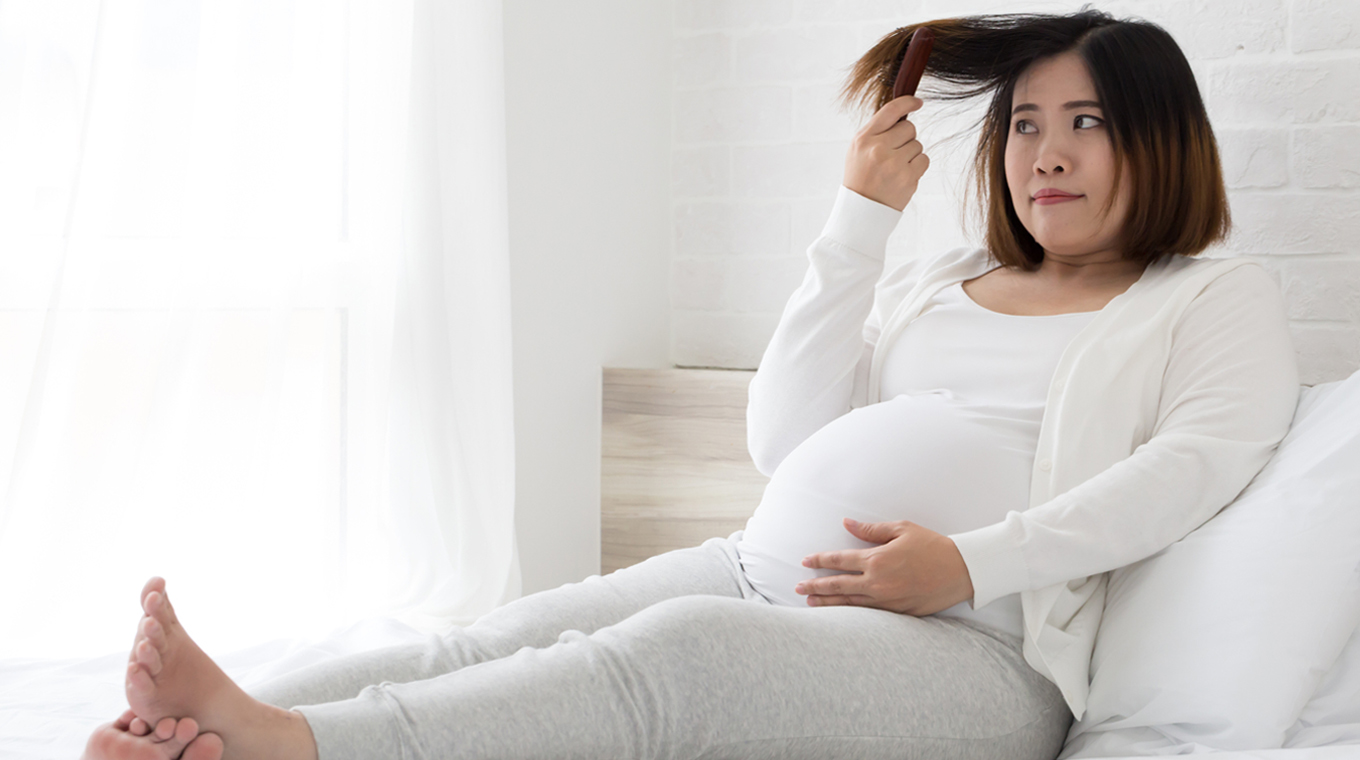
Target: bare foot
point(130, 738)
point(169, 676)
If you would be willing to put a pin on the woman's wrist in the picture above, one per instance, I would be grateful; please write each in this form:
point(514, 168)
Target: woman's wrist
point(861, 224)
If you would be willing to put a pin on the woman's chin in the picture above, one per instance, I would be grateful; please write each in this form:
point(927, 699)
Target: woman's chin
point(1066, 248)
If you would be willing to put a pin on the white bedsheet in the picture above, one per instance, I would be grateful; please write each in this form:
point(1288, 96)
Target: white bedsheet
point(49, 707)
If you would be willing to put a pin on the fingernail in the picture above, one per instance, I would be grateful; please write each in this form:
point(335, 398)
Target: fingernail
point(852, 522)
point(807, 562)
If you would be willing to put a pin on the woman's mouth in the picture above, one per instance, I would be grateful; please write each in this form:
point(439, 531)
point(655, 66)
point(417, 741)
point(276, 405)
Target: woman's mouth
point(1049, 197)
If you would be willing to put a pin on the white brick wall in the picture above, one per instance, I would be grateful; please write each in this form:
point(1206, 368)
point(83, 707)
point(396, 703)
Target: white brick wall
point(759, 150)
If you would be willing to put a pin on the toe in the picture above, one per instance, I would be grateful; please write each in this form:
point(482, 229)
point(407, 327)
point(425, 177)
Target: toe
point(186, 730)
point(139, 686)
point(154, 603)
point(148, 629)
point(166, 729)
point(138, 727)
point(205, 747)
point(125, 720)
point(149, 657)
point(157, 583)
point(158, 606)
point(182, 733)
point(152, 630)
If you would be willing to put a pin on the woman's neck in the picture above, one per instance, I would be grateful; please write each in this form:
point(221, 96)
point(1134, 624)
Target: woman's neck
point(1089, 270)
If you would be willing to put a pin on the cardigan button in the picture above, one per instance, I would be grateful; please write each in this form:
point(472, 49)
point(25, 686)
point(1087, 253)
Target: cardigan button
point(1045, 465)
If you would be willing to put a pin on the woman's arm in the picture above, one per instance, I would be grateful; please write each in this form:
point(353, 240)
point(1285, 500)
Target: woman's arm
point(1228, 397)
point(817, 364)
point(819, 354)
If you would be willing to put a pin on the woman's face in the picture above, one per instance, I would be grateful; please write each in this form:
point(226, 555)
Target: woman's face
point(1058, 141)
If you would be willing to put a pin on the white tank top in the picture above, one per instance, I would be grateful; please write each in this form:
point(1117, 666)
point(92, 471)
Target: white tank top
point(951, 447)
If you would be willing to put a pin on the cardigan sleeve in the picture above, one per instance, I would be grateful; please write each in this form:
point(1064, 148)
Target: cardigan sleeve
point(816, 366)
point(1228, 397)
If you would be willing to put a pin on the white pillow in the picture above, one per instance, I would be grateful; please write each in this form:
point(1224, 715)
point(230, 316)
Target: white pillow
point(1332, 716)
point(1219, 640)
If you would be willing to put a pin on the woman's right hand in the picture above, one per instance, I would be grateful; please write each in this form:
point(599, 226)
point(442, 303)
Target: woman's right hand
point(885, 161)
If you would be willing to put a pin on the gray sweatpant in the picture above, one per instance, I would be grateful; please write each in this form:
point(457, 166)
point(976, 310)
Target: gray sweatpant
point(679, 657)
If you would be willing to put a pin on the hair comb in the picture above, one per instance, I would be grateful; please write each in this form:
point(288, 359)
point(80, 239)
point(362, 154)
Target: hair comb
point(914, 62)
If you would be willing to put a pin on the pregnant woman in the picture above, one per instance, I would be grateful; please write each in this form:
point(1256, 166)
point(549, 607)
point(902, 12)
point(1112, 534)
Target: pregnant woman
point(1007, 425)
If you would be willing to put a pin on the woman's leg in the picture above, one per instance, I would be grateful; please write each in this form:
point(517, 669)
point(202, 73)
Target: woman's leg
point(169, 676)
point(536, 620)
point(714, 677)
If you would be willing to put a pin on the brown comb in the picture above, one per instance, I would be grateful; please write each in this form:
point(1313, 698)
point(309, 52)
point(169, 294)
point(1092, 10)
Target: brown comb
point(914, 62)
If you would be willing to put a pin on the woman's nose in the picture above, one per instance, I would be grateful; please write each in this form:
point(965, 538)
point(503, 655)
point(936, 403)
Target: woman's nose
point(1052, 158)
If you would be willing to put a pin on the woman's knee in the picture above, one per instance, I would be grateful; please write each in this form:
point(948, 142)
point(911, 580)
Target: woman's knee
point(685, 628)
point(703, 635)
point(695, 612)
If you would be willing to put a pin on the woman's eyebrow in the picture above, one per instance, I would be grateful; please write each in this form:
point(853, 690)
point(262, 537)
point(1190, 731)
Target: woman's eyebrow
point(1066, 106)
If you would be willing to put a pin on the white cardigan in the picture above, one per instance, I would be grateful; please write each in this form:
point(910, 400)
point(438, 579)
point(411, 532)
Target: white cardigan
point(1160, 411)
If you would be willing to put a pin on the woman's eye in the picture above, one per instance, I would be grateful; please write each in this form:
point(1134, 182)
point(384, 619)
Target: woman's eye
point(1024, 127)
point(1094, 121)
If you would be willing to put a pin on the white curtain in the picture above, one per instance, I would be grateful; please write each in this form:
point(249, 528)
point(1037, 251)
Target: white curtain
point(254, 317)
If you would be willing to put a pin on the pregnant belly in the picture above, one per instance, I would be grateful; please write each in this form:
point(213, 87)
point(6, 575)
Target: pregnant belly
point(920, 458)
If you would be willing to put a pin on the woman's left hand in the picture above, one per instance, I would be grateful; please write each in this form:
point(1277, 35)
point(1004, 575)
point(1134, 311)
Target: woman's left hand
point(915, 571)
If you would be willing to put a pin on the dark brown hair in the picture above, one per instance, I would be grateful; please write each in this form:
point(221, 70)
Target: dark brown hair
point(1158, 125)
